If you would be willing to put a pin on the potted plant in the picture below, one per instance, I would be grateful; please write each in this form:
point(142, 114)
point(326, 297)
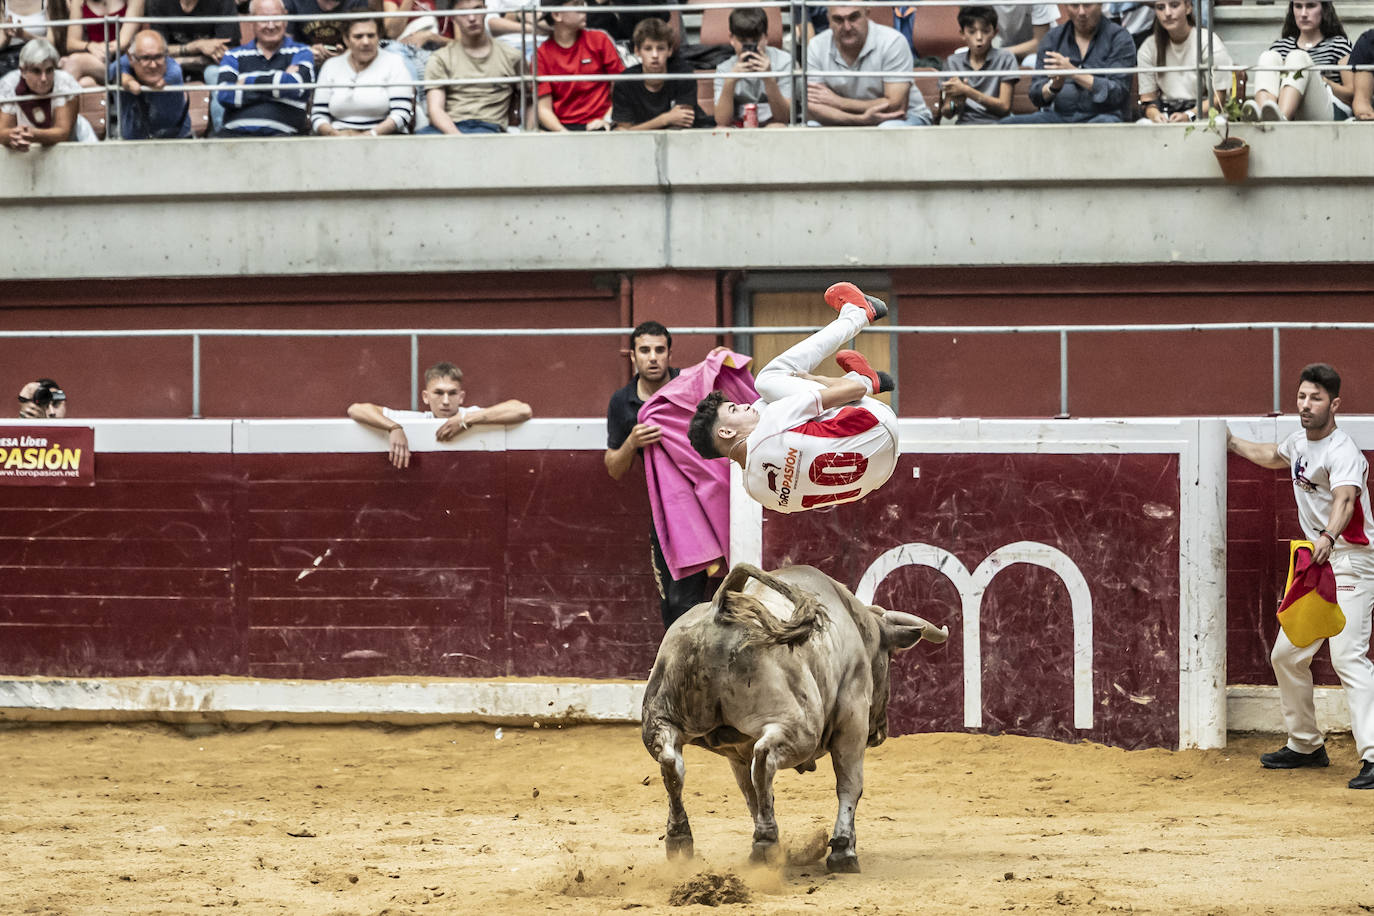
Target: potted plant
point(1233, 153)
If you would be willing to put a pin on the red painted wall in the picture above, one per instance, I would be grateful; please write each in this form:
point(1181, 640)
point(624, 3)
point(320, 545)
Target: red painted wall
point(475, 564)
point(1144, 374)
point(1115, 516)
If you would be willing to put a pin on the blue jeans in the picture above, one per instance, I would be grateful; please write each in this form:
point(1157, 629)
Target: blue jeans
point(1050, 116)
point(467, 126)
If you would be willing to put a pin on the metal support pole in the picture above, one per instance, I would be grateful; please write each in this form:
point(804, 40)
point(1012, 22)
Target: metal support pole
point(1277, 409)
point(195, 376)
point(1063, 373)
point(414, 371)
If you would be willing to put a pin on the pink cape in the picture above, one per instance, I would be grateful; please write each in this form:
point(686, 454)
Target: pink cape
point(689, 495)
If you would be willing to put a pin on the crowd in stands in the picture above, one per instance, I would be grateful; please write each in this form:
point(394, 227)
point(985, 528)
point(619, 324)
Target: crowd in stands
point(367, 68)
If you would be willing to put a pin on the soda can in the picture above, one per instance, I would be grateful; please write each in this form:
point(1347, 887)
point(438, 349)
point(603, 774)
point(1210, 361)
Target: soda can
point(751, 115)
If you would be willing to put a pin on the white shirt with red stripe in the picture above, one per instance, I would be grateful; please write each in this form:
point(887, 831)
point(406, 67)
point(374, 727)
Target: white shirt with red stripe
point(800, 457)
point(1317, 467)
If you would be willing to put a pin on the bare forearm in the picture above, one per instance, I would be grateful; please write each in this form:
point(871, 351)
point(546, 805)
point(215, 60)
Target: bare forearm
point(371, 415)
point(619, 460)
point(1264, 454)
point(506, 412)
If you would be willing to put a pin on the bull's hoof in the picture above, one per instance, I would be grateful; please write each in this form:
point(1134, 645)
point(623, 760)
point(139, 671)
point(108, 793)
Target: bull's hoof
point(680, 847)
point(769, 853)
point(842, 863)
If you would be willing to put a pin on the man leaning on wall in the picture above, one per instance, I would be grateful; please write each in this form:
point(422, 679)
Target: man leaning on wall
point(443, 395)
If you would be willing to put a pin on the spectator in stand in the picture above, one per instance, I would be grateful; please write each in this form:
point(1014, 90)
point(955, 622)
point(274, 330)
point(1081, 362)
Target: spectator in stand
point(1170, 98)
point(978, 99)
point(1020, 28)
point(621, 26)
point(1086, 41)
point(25, 121)
point(1136, 18)
point(443, 395)
point(89, 45)
point(42, 399)
point(414, 39)
point(510, 24)
point(348, 110)
point(20, 21)
point(574, 50)
point(1362, 103)
point(479, 108)
point(656, 104)
point(1292, 89)
point(734, 90)
point(855, 44)
point(324, 36)
point(271, 61)
point(151, 115)
point(197, 47)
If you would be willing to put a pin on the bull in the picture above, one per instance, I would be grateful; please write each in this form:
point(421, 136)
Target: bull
point(776, 671)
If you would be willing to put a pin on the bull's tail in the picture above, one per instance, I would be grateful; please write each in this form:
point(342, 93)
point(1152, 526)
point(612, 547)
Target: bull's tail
point(760, 625)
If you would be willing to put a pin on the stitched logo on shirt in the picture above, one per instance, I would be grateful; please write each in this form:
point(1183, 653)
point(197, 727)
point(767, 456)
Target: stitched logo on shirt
point(1300, 477)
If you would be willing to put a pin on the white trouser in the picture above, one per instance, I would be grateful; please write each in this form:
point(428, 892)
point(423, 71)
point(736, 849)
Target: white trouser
point(1300, 73)
point(776, 380)
point(1349, 656)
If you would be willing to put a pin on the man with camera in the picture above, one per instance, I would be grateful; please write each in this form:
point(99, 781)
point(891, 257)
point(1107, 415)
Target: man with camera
point(736, 88)
point(41, 400)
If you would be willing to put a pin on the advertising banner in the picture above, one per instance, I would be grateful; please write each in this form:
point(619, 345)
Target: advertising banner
point(47, 456)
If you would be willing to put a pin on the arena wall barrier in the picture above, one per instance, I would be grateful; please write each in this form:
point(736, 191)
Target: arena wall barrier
point(254, 570)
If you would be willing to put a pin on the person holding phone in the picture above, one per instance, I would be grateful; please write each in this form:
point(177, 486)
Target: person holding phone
point(1085, 42)
point(324, 36)
point(734, 90)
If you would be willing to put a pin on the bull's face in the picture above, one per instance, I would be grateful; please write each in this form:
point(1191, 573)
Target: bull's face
point(897, 633)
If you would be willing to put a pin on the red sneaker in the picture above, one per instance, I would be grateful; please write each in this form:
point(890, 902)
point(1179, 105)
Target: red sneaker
point(844, 293)
point(853, 361)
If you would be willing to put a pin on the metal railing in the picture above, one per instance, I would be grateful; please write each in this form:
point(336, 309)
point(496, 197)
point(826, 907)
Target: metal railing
point(1062, 331)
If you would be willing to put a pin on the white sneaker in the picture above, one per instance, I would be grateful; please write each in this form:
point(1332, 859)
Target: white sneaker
point(1250, 110)
point(1269, 111)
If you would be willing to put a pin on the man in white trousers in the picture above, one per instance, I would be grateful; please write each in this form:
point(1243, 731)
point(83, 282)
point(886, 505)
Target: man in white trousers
point(811, 440)
point(1330, 482)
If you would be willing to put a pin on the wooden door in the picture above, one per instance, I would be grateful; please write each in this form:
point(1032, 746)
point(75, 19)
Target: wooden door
point(809, 308)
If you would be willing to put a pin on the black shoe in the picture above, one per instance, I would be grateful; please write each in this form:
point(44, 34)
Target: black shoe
point(1366, 778)
point(1285, 758)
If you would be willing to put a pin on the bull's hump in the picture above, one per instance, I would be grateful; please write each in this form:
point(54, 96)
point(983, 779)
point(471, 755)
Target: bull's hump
point(776, 604)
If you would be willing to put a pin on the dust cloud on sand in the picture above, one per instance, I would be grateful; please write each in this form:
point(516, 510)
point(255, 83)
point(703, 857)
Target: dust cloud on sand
point(451, 819)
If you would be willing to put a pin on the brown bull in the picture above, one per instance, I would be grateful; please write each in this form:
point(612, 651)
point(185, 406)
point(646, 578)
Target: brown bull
point(778, 670)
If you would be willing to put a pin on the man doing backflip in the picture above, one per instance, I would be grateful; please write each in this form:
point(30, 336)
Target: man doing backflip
point(810, 441)
point(1331, 485)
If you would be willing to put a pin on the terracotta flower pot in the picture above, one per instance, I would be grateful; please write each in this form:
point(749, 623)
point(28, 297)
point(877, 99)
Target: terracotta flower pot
point(1233, 155)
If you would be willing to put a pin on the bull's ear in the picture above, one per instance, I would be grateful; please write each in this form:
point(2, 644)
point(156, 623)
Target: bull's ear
point(902, 631)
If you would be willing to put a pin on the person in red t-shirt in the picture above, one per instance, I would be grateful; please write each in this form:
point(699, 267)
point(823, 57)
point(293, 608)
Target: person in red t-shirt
point(575, 49)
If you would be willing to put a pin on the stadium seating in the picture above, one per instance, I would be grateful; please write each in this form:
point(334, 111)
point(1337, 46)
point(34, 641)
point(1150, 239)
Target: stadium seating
point(715, 26)
point(96, 111)
point(198, 99)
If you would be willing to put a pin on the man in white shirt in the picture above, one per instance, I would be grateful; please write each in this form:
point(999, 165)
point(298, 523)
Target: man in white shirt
point(810, 440)
point(855, 45)
point(443, 395)
point(1331, 486)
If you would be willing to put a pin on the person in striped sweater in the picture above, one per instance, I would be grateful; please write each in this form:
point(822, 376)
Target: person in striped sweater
point(1291, 88)
point(277, 65)
point(346, 105)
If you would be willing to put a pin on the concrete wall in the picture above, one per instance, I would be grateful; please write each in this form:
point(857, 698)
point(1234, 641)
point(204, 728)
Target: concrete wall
point(709, 199)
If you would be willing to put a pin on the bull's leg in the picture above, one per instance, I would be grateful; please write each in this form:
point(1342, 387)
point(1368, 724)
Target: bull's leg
point(668, 741)
point(771, 746)
point(847, 755)
point(746, 784)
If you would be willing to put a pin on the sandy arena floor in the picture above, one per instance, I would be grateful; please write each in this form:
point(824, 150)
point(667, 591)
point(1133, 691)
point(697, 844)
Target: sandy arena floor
point(463, 819)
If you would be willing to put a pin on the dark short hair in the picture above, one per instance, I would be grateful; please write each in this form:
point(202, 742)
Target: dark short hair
point(968, 15)
point(650, 328)
point(376, 23)
point(701, 432)
point(1323, 375)
point(652, 29)
point(443, 370)
point(748, 23)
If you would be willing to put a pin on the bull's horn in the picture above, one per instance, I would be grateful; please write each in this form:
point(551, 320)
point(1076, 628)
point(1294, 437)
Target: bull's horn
point(929, 631)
